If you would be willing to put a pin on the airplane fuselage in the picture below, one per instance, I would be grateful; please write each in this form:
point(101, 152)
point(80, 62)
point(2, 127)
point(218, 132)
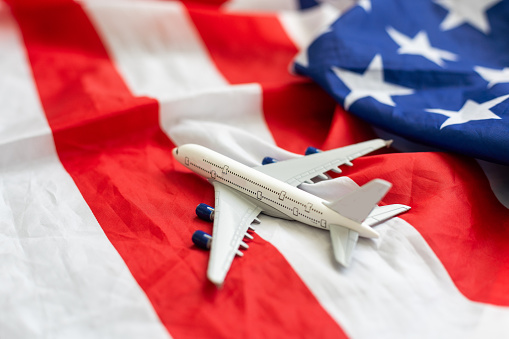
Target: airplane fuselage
point(294, 203)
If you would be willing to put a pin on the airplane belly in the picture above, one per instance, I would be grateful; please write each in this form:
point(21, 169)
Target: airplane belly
point(285, 202)
point(274, 197)
point(269, 210)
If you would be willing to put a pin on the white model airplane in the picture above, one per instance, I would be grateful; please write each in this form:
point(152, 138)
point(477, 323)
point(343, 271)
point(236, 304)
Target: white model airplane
point(242, 192)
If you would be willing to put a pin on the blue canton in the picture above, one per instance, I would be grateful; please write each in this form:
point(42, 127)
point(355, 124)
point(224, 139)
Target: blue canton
point(430, 71)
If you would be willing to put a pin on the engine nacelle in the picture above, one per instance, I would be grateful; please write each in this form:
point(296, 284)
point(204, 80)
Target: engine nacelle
point(205, 212)
point(268, 160)
point(202, 239)
point(311, 150)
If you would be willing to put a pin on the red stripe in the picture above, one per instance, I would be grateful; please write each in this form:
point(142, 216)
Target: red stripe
point(257, 49)
point(455, 211)
point(246, 48)
point(110, 143)
point(201, 3)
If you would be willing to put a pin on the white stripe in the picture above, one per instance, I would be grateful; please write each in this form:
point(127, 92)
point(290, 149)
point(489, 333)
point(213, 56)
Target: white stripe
point(260, 5)
point(155, 47)
point(304, 26)
point(60, 277)
point(395, 286)
point(160, 54)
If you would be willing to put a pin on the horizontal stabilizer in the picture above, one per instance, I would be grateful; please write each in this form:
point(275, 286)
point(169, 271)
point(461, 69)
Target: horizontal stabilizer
point(358, 204)
point(384, 213)
point(343, 243)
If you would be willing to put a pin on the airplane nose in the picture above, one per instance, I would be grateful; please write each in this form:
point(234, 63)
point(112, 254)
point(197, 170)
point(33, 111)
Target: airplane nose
point(175, 151)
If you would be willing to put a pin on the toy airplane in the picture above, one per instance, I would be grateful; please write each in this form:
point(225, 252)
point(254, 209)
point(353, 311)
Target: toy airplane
point(242, 192)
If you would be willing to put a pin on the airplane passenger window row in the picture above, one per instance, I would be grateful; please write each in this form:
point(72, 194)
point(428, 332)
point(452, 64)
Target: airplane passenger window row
point(213, 173)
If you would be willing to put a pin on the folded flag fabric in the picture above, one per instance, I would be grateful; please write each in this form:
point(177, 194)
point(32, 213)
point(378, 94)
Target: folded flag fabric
point(434, 71)
point(96, 216)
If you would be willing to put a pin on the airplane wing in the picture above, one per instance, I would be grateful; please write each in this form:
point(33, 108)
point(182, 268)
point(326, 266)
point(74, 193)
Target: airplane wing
point(298, 170)
point(232, 216)
point(344, 239)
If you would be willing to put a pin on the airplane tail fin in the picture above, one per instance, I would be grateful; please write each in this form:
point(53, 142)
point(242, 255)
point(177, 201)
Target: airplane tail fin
point(358, 204)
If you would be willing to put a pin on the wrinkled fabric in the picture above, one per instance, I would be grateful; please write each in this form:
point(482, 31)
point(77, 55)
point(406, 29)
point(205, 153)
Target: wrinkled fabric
point(97, 216)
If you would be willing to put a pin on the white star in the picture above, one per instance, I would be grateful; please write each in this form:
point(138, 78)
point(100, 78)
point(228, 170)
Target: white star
point(366, 4)
point(472, 12)
point(420, 45)
point(493, 76)
point(470, 111)
point(369, 84)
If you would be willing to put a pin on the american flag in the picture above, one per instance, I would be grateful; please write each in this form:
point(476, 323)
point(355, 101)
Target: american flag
point(96, 217)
